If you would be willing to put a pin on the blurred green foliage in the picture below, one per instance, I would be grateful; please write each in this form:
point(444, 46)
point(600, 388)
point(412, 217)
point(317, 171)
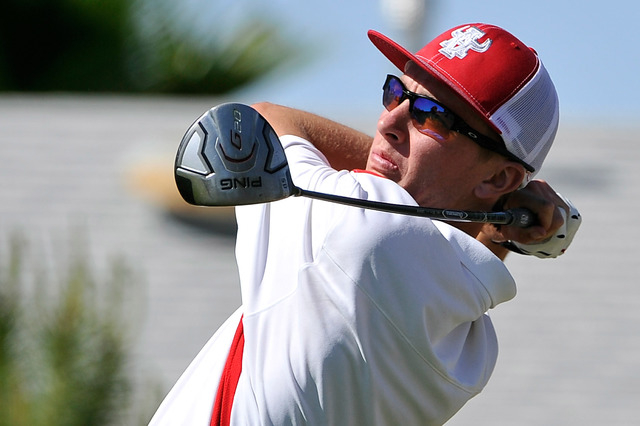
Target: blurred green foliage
point(63, 345)
point(130, 46)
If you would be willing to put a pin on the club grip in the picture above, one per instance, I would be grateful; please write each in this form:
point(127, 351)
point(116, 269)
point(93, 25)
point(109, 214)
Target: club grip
point(521, 217)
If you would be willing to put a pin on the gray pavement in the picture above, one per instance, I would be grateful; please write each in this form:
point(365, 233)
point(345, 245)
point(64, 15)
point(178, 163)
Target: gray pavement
point(570, 349)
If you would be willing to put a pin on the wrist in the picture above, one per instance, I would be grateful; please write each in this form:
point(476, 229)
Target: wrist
point(492, 241)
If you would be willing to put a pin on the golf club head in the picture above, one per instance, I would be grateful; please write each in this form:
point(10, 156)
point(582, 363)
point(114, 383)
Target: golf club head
point(231, 156)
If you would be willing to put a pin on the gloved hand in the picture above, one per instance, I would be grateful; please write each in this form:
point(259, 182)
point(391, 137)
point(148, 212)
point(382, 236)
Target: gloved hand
point(558, 243)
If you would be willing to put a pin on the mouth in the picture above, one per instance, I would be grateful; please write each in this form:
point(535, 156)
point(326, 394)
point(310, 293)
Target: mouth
point(383, 164)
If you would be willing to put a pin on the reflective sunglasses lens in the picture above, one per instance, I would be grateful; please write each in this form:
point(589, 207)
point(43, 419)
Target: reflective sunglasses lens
point(392, 93)
point(428, 115)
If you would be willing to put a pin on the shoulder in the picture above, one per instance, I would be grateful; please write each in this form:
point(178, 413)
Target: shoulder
point(478, 261)
point(298, 148)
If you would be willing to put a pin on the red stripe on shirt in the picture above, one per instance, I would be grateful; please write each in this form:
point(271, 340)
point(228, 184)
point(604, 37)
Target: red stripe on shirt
point(371, 172)
point(221, 414)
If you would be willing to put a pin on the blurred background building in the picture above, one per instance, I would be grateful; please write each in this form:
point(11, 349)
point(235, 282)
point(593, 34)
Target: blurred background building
point(95, 97)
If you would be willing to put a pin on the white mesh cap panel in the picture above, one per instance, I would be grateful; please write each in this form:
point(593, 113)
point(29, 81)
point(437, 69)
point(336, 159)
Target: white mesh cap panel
point(529, 120)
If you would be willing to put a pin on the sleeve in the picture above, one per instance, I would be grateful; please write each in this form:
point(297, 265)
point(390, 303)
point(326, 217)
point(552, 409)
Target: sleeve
point(447, 276)
point(412, 298)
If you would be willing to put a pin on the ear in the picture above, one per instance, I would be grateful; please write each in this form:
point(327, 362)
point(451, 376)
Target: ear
point(507, 178)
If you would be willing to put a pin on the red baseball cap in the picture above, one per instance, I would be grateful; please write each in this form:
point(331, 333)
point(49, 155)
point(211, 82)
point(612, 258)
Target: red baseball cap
point(498, 76)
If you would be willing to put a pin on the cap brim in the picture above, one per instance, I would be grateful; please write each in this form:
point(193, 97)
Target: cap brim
point(399, 56)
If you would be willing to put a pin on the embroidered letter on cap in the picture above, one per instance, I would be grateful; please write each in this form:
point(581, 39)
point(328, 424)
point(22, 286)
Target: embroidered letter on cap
point(464, 39)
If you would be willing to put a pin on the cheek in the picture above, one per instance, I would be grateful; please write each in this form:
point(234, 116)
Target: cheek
point(439, 175)
point(427, 156)
point(424, 168)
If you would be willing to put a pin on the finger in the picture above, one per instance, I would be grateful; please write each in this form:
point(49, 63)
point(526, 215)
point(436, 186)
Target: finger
point(539, 197)
point(524, 235)
point(558, 243)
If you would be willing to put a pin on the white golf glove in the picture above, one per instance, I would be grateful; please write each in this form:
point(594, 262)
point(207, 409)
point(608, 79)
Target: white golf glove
point(557, 244)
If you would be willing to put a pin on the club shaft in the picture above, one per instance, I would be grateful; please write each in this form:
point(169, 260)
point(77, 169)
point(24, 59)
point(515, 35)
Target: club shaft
point(518, 217)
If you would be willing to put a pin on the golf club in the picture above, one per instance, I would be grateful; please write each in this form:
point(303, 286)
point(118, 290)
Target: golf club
point(231, 156)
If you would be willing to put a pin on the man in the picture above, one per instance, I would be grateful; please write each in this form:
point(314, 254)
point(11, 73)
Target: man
point(358, 317)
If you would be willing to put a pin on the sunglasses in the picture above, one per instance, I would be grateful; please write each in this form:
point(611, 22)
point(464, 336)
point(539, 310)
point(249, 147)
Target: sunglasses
point(429, 117)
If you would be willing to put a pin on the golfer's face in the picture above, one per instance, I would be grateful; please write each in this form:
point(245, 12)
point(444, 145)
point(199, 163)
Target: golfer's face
point(439, 168)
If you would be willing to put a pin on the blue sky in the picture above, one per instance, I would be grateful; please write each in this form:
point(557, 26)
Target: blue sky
point(590, 49)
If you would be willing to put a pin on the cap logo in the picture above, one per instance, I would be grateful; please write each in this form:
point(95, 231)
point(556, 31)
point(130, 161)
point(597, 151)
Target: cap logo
point(464, 39)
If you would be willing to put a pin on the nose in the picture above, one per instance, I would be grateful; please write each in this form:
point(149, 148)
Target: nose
point(394, 124)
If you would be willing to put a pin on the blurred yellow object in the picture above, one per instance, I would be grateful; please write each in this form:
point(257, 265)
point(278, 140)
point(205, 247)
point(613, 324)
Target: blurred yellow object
point(152, 179)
